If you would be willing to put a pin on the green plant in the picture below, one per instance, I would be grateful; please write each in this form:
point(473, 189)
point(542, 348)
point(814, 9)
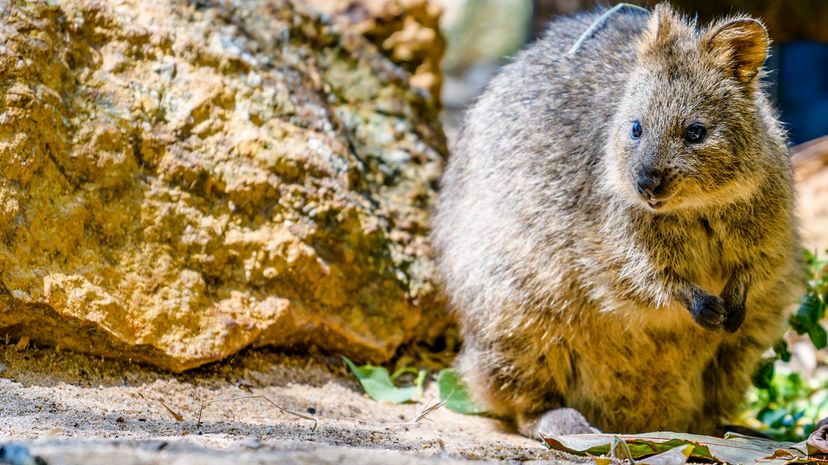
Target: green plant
point(453, 392)
point(787, 407)
point(808, 319)
point(784, 405)
point(379, 385)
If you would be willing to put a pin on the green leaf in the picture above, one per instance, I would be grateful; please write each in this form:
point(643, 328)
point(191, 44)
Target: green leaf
point(781, 349)
point(763, 376)
point(378, 385)
point(810, 257)
point(734, 450)
point(792, 386)
point(799, 324)
point(419, 382)
point(818, 336)
point(675, 456)
point(453, 392)
point(810, 308)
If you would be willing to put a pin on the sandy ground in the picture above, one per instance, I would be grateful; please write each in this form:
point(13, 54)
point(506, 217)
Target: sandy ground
point(75, 409)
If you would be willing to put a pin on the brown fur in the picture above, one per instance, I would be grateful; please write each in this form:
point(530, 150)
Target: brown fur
point(571, 290)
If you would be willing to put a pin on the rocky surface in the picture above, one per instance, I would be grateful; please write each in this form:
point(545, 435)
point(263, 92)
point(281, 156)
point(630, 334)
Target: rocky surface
point(407, 31)
point(811, 166)
point(183, 179)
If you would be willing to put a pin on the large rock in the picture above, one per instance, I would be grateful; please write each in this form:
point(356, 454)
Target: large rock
point(407, 31)
point(811, 164)
point(180, 180)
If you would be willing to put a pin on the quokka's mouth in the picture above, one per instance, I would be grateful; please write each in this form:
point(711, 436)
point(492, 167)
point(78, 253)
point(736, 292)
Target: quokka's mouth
point(655, 201)
point(655, 204)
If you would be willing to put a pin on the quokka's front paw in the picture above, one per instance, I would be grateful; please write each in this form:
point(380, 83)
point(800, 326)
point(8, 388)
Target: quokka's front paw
point(734, 318)
point(709, 311)
point(717, 313)
point(734, 299)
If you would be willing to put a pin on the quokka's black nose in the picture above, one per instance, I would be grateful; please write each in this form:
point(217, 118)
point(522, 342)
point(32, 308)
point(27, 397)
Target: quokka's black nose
point(649, 183)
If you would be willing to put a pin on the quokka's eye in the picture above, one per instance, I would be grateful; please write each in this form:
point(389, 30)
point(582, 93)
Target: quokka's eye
point(695, 133)
point(635, 132)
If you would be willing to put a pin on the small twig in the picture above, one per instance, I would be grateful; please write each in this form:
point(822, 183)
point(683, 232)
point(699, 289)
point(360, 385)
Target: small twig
point(600, 21)
point(176, 415)
point(427, 410)
point(423, 413)
point(281, 409)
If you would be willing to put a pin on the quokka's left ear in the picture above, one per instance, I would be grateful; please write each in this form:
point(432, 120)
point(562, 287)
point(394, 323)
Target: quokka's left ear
point(663, 29)
point(739, 46)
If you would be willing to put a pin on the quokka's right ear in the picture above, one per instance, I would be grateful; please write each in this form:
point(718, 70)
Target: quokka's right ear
point(739, 46)
point(663, 29)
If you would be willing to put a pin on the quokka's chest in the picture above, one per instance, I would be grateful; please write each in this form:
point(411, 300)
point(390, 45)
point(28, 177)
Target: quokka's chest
point(699, 251)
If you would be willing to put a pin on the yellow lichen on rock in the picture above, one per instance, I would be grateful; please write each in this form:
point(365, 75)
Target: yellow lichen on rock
point(180, 180)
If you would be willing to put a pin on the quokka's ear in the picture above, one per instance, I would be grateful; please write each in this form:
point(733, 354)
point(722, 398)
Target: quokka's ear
point(739, 46)
point(664, 27)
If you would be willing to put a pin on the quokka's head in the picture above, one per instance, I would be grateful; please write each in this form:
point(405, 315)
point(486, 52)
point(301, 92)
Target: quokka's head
point(687, 132)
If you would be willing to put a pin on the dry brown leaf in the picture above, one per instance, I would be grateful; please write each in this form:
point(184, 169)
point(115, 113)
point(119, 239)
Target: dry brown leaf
point(818, 440)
